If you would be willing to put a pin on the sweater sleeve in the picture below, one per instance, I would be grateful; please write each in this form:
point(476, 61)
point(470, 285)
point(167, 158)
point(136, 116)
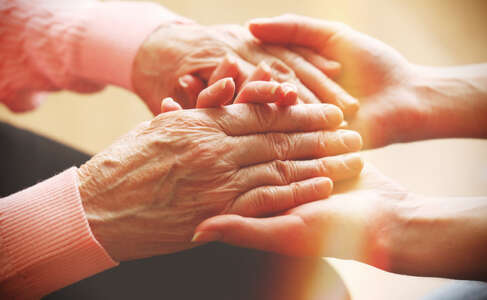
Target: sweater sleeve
point(45, 240)
point(75, 45)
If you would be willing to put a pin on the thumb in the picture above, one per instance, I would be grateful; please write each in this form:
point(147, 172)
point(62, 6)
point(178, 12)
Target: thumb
point(168, 104)
point(189, 87)
point(295, 30)
point(286, 234)
point(217, 94)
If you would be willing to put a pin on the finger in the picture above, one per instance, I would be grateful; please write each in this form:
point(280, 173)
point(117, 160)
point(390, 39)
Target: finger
point(331, 68)
point(267, 92)
point(217, 94)
point(283, 73)
point(190, 87)
point(246, 119)
point(262, 72)
point(235, 68)
point(282, 172)
point(287, 234)
point(295, 30)
point(268, 200)
point(254, 149)
point(168, 104)
point(228, 67)
point(305, 95)
point(323, 87)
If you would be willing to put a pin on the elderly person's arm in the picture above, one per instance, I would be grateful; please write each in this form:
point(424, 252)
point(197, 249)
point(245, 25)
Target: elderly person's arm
point(75, 45)
point(143, 47)
point(145, 194)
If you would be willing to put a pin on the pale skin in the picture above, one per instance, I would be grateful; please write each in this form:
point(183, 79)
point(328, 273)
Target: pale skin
point(373, 219)
point(146, 193)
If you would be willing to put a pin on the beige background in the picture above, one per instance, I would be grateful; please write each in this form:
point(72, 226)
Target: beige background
point(427, 32)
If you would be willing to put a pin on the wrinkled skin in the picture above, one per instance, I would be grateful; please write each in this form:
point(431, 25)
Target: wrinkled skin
point(175, 51)
point(145, 194)
point(376, 74)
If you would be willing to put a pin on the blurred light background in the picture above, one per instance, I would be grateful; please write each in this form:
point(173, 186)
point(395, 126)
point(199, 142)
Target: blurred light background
point(434, 32)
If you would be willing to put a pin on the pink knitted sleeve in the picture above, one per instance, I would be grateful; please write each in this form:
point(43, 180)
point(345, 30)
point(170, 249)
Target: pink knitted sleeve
point(45, 240)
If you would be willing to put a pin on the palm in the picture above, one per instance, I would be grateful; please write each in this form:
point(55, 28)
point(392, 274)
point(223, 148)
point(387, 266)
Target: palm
point(336, 226)
point(375, 74)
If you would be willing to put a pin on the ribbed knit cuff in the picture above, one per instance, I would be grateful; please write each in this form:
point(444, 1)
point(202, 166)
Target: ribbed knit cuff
point(45, 240)
point(114, 31)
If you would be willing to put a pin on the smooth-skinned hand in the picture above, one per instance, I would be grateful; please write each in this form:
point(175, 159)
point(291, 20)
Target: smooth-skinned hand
point(371, 71)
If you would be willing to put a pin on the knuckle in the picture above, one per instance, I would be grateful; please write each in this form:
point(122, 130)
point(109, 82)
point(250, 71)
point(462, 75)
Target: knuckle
point(295, 188)
point(322, 168)
point(285, 170)
point(281, 144)
point(281, 72)
point(321, 143)
point(264, 115)
point(266, 199)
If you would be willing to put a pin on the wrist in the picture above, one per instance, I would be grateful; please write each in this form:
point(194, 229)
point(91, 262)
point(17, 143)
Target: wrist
point(441, 237)
point(92, 207)
point(389, 245)
point(454, 101)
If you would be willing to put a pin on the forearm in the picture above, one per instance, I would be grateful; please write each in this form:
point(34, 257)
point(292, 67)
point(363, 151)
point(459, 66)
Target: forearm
point(445, 237)
point(455, 101)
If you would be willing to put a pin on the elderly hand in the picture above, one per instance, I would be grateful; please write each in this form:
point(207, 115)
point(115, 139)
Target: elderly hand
point(180, 60)
point(146, 193)
point(375, 73)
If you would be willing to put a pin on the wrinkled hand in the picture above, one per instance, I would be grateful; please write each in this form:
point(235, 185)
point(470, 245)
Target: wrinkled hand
point(145, 194)
point(371, 71)
point(350, 224)
point(180, 60)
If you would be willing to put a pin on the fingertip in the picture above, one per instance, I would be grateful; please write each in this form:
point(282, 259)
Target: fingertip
point(288, 94)
point(191, 87)
point(352, 140)
point(217, 94)
point(168, 104)
point(325, 185)
point(351, 107)
point(332, 115)
point(355, 162)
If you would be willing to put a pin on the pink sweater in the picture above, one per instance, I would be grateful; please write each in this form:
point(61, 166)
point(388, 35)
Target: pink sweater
point(45, 239)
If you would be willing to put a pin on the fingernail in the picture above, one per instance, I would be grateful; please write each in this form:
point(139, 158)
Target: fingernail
point(288, 88)
point(231, 59)
point(182, 82)
point(332, 64)
point(265, 67)
point(274, 88)
point(224, 83)
point(206, 236)
point(352, 140)
point(354, 162)
point(322, 185)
